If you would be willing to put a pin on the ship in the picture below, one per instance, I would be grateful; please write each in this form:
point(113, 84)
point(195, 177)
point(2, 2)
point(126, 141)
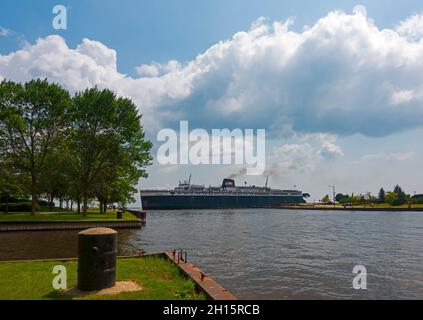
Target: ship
point(226, 196)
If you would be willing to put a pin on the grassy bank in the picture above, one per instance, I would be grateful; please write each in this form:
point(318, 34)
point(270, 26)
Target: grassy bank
point(65, 216)
point(160, 279)
point(404, 206)
point(340, 207)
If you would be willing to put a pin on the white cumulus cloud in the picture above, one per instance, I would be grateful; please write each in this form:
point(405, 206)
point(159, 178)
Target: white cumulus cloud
point(402, 96)
point(158, 69)
point(330, 150)
point(412, 28)
point(343, 75)
point(303, 157)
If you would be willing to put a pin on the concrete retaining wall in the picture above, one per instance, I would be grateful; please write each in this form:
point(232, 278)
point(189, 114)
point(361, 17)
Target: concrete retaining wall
point(65, 225)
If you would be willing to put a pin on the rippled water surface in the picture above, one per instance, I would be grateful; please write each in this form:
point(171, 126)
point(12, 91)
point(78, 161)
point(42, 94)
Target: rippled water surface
point(271, 254)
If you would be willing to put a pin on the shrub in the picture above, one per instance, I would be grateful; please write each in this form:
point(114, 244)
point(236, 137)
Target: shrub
point(17, 207)
point(399, 200)
point(3, 199)
point(43, 203)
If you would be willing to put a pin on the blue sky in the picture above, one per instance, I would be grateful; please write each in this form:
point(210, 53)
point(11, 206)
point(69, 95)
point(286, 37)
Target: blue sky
point(339, 93)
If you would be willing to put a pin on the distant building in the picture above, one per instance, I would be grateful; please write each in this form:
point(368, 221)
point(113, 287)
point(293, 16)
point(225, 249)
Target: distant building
point(417, 196)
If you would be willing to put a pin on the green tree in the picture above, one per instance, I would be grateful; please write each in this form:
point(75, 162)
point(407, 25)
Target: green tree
point(390, 197)
point(326, 199)
point(122, 191)
point(11, 185)
point(107, 140)
point(361, 199)
point(369, 198)
point(381, 196)
point(57, 175)
point(397, 189)
point(400, 196)
point(358, 199)
point(353, 199)
point(32, 116)
point(342, 198)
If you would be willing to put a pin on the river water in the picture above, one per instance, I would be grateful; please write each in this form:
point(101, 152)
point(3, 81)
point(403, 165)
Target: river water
point(271, 254)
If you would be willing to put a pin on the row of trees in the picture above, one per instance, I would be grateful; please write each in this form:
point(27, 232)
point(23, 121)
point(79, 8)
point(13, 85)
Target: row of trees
point(73, 149)
point(396, 197)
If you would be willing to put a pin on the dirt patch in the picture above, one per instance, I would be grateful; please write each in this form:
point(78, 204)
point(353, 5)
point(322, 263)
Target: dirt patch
point(167, 276)
point(120, 287)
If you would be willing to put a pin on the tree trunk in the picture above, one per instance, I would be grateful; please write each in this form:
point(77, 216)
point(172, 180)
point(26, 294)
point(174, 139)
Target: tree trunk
point(85, 205)
point(101, 206)
point(6, 209)
point(51, 202)
point(60, 203)
point(105, 207)
point(78, 206)
point(33, 195)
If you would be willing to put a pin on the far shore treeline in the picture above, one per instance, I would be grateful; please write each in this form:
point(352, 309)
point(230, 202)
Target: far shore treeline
point(397, 197)
point(72, 149)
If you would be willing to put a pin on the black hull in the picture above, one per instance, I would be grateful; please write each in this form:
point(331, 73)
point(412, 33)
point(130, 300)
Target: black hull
point(179, 202)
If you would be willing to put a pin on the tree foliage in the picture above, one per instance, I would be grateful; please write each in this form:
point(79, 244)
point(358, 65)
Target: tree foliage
point(342, 198)
point(32, 117)
point(87, 147)
point(381, 195)
point(326, 199)
point(395, 198)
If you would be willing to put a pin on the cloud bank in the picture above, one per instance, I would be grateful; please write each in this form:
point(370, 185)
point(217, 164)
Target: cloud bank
point(343, 76)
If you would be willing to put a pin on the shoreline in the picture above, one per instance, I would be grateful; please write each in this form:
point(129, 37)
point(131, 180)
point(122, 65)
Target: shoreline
point(18, 226)
point(138, 220)
point(349, 209)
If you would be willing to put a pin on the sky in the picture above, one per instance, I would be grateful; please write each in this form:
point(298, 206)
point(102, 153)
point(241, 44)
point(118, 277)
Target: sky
point(337, 85)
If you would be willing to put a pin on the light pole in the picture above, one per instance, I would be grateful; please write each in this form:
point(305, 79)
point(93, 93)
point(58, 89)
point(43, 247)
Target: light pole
point(334, 195)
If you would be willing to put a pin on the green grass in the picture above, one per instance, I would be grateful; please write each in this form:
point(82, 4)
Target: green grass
point(377, 206)
point(381, 205)
point(159, 278)
point(50, 209)
point(387, 205)
point(65, 216)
